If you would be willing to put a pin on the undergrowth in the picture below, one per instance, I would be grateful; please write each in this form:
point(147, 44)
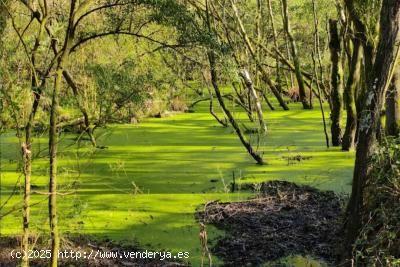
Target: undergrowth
point(379, 240)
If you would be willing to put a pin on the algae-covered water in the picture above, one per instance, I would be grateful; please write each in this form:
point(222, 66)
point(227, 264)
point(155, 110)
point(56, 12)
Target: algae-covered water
point(149, 180)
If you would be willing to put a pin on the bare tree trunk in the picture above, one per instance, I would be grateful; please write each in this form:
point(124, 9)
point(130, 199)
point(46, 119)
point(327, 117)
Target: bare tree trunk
point(241, 101)
point(336, 83)
point(223, 122)
point(74, 87)
point(36, 88)
point(53, 140)
point(353, 81)
point(214, 81)
point(317, 53)
point(236, 127)
point(249, 84)
point(3, 21)
point(319, 56)
point(275, 38)
point(27, 157)
point(287, 50)
point(296, 60)
point(26, 147)
point(393, 105)
point(53, 144)
point(387, 54)
point(320, 102)
point(361, 32)
point(53, 135)
point(264, 73)
point(264, 95)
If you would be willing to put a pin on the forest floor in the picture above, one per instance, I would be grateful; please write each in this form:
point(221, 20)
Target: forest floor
point(148, 182)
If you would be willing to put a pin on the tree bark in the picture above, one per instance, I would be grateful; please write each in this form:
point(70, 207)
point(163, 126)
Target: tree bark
point(320, 102)
point(296, 59)
point(264, 95)
point(53, 135)
point(236, 127)
point(82, 108)
point(387, 54)
point(393, 105)
point(53, 140)
point(214, 82)
point(353, 81)
point(367, 42)
point(223, 122)
point(37, 89)
point(3, 21)
point(336, 83)
point(264, 73)
point(275, 38)
point(250, 87)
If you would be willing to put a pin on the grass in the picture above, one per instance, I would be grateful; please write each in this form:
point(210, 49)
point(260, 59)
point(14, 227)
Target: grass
point(147, 184)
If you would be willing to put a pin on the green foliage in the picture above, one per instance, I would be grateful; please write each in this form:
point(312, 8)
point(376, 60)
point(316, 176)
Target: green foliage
point(177, 15)
point(379, 241)
point(369, 11)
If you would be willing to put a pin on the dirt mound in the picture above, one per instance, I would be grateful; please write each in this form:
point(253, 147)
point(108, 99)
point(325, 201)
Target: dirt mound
point(285, 219)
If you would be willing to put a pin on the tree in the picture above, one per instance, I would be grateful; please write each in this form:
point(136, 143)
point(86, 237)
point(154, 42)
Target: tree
point(336, 83)
point(250, 48)
point(353, 81)
point(214, 80)
point(382, 72)
point(296, 59)
point(249, 84)
point(393, 105)
point(275, 38)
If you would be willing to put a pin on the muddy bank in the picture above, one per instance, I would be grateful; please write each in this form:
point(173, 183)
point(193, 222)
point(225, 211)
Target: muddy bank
point(284, 219)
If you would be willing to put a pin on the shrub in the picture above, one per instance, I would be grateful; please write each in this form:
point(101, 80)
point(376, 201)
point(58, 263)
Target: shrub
point(379, 241)
point(178, 104)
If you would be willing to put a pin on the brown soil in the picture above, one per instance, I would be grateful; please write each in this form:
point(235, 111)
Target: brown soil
point(285, 219)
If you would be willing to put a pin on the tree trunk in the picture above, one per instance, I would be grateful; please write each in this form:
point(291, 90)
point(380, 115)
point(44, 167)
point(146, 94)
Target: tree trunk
point(223, 122)
point(296, 60)
point(275, 38)
point(264, 95)
point(362, 34)
point(320, 101)
point(336, 83)
point(53, 136)
point(382, 73)
point(3, 21)
point(236, 127)
point(214, 81)
point(317, 54)
point(265, 75)
point(241, 101)
point(36, 88)
point(82, 108)
point(53, 140)
point(349, 97)
point(250, 87)
point(27, 158)
point(393, 105)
